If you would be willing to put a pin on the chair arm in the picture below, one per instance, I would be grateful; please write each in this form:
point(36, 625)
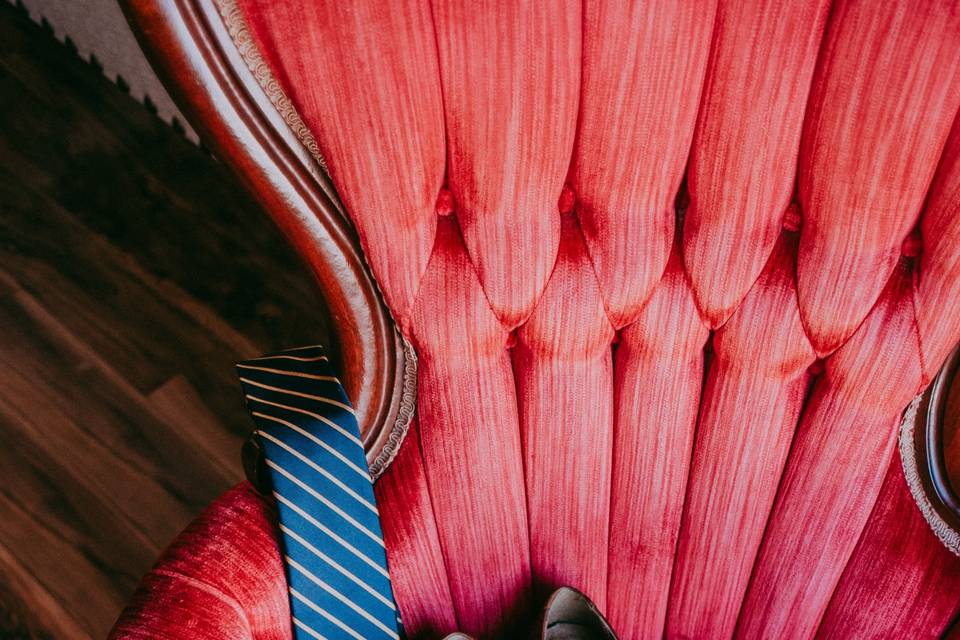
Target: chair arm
point(222, 578)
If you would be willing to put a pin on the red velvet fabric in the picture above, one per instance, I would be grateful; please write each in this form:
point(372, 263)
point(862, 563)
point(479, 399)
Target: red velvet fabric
point(221, 578)
point(690, 418)
point(899, 583)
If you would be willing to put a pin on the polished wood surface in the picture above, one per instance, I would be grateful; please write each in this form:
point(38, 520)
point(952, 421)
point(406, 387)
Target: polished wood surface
point(950, 433)
point(134, 271)
point(193, 52)
point(933, 451)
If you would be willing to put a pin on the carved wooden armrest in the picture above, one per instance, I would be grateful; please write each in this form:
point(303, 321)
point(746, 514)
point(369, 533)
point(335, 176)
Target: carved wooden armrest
point(203, 54)
point(924, 450)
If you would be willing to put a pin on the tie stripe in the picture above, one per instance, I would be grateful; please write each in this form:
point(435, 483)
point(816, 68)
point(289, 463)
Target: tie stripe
point(319, 469)
point(326, 614)
point(331, 534)
point(316, 416)
point(306, 434)
point(289, 357)
point(299, 374)
point(298, 394)
point(327, 503)
point(333, 563)
point(336, 594)
point(333, 546)
point(310, 632)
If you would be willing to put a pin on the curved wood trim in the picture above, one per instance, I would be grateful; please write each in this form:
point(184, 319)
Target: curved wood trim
point(922, 455)
point(190, 47)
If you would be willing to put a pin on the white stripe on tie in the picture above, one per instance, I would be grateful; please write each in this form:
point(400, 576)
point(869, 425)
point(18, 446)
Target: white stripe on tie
point(309, 347)
point(281, 356)
point(313, 492)
point(327, 421)
point(313, 465)
point(300, 394)
point(319, 525)
point(363, 473)
point(333, 563)
point(342, 598)
point(284, 372)
point(305, 600)
point(306, 628)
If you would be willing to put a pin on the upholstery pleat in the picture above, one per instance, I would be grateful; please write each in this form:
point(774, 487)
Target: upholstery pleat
point(643, 67)
point(837, 463)
point(658, 372)
point(901, 582)
point(470, 440)
point(937, 299)
point(752, 397)
point(686, 499)
point(563, 351)
point(511, 81)
point(417, 571)
point(365, 79)
point(744, 158)
point(885, 93)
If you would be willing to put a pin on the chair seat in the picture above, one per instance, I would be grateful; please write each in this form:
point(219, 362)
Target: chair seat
point(672, 272)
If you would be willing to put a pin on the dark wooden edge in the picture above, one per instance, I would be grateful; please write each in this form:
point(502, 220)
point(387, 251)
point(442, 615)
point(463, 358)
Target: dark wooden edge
point(933, 439)
point(922, 455)
point(191, 50)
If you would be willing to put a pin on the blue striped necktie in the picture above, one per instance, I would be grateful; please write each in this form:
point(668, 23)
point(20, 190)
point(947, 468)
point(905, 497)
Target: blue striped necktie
point(333, 548)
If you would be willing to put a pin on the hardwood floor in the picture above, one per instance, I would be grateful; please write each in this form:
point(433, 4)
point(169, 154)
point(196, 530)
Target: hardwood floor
point(134, 272)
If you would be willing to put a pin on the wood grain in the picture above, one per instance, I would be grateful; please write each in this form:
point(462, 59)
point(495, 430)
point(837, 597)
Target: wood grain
point(133, 273)
point(235, 116)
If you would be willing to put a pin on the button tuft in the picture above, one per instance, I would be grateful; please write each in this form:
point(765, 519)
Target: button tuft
point(567, 199)
point(792, 218)
point(912, 245)
point(816, 368)
point(445, 203)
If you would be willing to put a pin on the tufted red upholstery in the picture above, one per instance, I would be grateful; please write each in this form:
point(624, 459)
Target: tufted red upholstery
point(686, 412)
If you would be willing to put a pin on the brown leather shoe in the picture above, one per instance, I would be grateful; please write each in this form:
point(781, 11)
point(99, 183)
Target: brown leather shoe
point(569, 615)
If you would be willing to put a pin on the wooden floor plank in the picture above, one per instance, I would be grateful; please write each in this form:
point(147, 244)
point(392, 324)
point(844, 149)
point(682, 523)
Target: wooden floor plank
point(81, 588)
point(47, 617)
point(179, 405)
point(112, 414)
point(85, 516)
point(134, 272)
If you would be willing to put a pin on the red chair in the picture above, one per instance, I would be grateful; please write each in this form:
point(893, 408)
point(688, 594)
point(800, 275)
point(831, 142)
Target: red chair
point(671, 272)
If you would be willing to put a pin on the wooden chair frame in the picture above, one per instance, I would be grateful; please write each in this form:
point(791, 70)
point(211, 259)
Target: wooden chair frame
point(202, 51)
point(203, 54)
point(922, 443)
